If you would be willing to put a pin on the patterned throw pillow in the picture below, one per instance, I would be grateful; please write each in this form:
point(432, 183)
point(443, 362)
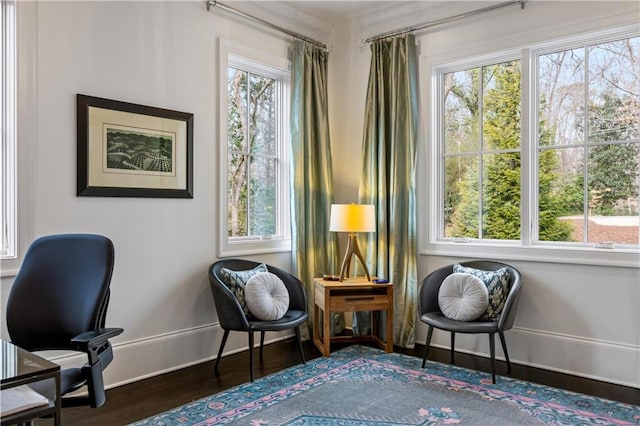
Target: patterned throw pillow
point(236, 280)
point(497, 283)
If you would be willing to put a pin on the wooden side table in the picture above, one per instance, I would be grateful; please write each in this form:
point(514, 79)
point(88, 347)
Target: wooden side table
point(351, 295)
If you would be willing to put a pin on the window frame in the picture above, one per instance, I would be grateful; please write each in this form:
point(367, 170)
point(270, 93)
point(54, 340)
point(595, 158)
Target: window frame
point(527, 247)
point(535, 53)
point(26, 114)
point(248, 59)
point(438, 125)
point(8, 166)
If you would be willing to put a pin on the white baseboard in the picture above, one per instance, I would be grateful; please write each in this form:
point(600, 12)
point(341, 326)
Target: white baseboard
point(151, 356)
point(611, 362)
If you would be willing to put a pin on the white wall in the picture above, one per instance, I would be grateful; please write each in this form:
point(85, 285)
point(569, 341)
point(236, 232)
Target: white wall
point(162, 54)
point(579, 319)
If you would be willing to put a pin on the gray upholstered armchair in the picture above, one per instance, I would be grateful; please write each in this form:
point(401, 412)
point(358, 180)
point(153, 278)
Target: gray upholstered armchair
point(431, 314)
point(232, 317)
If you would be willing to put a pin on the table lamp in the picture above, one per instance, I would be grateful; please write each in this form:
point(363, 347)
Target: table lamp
point(352, 218)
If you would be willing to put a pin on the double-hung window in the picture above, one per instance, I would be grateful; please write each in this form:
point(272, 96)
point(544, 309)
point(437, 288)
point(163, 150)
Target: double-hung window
point(539, 147)
point(587, 142)
point(8, 203)
point(481, 152)
point(255, 153)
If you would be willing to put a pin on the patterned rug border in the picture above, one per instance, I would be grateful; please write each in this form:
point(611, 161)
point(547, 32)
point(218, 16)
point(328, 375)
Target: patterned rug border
point(545, 403)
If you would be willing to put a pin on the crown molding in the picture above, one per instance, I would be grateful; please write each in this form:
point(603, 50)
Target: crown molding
point(287, 14)
point(396, 15)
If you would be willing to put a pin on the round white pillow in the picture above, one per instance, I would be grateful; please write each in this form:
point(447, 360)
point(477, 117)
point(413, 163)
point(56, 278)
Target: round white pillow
point(266, 296)
point(463, 297)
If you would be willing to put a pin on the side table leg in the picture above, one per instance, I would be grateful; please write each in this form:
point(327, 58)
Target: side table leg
point(326, 337)
point(390, 320)
point(374, 318)
point(316, 326)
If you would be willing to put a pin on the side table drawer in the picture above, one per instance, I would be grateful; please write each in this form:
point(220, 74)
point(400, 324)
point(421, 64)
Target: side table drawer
point(359, 302)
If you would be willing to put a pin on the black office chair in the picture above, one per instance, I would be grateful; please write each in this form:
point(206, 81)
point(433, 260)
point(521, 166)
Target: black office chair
point(431, 314)
point(233, 318)
point(58, 301)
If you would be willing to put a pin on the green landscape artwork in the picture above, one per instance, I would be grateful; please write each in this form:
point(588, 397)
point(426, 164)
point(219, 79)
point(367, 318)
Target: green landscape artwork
point(139, 151)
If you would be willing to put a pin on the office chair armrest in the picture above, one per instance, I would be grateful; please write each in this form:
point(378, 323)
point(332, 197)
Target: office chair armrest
point(95, 343)
point(94, 338)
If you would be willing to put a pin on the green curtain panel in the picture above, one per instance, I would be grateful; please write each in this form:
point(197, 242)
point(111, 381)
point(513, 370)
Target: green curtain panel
point(388, 176)
point(315, 249)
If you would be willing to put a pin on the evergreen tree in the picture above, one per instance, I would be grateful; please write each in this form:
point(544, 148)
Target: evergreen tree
point(502, 170)
point(613, 168)
point(501, 131)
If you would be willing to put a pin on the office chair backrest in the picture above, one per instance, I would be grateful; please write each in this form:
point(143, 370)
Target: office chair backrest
point(62, 290)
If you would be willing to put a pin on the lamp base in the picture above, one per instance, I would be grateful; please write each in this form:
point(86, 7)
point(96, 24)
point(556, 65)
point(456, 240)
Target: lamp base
point(352, 248)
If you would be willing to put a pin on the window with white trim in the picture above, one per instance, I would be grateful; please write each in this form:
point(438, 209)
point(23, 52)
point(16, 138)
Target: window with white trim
point(481, 151)
point(588, 142)
point(255, 160)
point(540, 146)
point(8, 244)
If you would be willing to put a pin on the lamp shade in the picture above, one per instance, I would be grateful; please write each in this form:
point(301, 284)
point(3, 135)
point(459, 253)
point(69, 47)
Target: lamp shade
point(352, 218)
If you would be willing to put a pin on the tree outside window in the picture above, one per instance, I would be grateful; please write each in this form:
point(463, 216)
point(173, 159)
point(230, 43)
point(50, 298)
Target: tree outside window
point(252, 151)
point(482, 122)
point(589, 103)
point(585, 156)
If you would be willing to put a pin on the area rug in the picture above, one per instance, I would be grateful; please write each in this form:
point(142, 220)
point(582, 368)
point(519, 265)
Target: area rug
point(366, 386)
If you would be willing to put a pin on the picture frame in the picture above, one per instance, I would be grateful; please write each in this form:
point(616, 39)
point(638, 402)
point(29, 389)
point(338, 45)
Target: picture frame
point(131, 150)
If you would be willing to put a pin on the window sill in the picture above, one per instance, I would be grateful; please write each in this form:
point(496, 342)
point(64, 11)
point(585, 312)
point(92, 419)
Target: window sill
point(9, 266)
point(244, 248)
point(8, 272)
point(543, 254)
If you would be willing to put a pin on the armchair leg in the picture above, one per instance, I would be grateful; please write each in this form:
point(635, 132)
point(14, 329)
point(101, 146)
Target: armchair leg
point(251, 355)
point(261, 343)
point(299, 339)
point(428, 342)
point(453, 346)
point(506, 353)
point(224, 342)
point(492, 349)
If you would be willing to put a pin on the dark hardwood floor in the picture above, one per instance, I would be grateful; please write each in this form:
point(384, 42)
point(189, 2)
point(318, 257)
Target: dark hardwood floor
point(136, 401)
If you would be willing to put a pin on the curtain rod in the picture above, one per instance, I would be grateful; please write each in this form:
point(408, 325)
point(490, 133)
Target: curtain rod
point(444, 20)
point(260, 21)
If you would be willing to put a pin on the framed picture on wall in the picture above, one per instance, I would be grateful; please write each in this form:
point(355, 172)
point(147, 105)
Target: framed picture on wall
point(130, 150)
